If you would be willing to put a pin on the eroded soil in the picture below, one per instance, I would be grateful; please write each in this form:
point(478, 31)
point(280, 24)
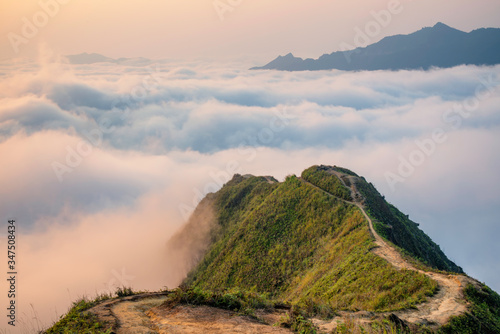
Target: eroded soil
point(147, 314)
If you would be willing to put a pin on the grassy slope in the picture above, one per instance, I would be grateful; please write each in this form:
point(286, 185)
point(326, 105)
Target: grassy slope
point(396, 227)
point(294, 242)
point(483, 315)
point(327, 182)
point(300, 245)
point(77, 320)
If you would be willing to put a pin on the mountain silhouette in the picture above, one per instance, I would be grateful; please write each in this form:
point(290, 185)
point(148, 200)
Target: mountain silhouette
point(438, 46)
point(93, 58)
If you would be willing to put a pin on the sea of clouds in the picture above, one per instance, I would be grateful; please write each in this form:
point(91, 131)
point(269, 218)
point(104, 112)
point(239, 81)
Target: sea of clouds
point(102, 163)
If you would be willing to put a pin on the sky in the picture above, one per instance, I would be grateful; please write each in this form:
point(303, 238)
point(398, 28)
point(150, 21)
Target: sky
point(104, 162)
point(256, 30)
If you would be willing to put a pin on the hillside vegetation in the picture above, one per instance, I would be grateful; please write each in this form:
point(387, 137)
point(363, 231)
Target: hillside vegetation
point(294, 242)
point(320, 253)
point(396, 227)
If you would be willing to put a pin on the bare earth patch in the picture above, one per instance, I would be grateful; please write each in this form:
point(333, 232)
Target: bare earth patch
point(145, 314)
point(205, 319)
point(132, 318)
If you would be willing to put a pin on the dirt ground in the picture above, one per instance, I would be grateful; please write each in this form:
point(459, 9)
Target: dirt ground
point(145, 314)
point(203, 319)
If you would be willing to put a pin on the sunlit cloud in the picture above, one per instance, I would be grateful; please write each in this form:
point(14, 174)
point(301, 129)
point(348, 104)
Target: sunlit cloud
point(104, 161)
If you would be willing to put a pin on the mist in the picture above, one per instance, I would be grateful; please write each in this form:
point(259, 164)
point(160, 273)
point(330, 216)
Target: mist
point(104, 163)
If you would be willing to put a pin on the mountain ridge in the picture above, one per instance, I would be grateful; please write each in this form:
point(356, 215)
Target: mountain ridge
point(438, 46)
point(305, 256)
point(267, 228)
point(93, 58)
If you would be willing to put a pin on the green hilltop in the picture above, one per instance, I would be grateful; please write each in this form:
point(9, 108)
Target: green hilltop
point(307, 242)
point(297, 243)
point(323, 252)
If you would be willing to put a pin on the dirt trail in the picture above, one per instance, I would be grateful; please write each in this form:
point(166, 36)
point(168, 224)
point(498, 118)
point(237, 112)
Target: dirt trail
point(449, 300)
point(126, 314)
point(132, 318)
point(210, 320)
point(145, 314)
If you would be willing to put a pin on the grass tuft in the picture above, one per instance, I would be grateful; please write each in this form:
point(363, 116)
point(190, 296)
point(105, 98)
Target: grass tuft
point(79, 320)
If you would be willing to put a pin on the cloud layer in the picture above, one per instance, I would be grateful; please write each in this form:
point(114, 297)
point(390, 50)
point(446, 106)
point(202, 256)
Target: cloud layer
point(103, 162)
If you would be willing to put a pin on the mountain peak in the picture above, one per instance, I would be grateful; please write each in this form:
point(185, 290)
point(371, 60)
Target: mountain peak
point(281, 62)
point(438, 46)
point(441, 25)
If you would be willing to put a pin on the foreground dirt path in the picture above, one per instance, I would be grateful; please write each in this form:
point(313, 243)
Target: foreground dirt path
point(210, 320)
point(449, 300)
point(132, 318)
point(145, 314)
point(127, 314)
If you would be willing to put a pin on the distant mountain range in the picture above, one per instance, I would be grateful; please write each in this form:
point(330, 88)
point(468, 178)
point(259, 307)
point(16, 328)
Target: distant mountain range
point(92, 58)
point(438, 46)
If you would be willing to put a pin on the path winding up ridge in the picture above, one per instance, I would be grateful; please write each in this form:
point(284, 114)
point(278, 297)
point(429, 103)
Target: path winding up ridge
point(448, 302)
point(144, 314)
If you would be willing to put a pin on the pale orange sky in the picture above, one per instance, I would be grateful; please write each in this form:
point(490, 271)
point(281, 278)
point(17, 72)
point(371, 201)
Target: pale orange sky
point(257, 29)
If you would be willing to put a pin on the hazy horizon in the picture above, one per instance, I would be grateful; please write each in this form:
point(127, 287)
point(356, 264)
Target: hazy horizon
point(218, 29)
